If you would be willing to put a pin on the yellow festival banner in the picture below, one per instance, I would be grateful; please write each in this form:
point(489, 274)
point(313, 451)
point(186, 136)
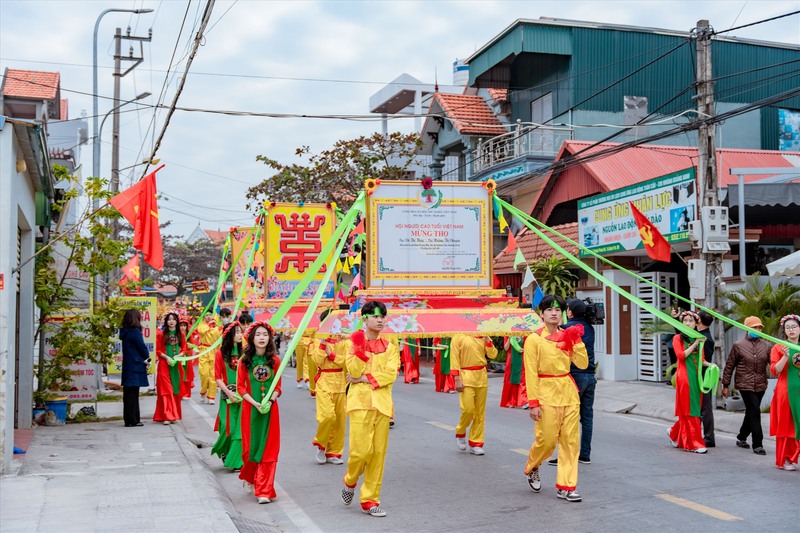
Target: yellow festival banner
point(254, 276)
point(295, 235)
point(434, 237)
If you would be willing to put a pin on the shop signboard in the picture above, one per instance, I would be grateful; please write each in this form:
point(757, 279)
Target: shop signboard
point(606, 224)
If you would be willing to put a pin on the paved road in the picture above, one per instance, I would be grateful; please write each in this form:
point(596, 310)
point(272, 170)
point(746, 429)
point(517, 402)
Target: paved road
point(636, 480)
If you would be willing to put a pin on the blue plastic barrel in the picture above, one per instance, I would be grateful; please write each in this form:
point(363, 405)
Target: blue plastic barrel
point(56, 412)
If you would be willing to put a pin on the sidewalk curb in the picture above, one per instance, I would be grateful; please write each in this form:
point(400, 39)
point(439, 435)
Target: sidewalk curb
point(217, 497)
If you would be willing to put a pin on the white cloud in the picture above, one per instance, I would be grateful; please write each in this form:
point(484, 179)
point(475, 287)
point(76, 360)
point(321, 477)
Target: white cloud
point(359, 42)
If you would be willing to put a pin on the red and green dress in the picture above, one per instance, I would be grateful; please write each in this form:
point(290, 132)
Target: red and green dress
point(411, 361)
point(168, 378)
point(687, 432)
point(441, 368)
point(514, 393)
point(261, 434)
point(784, 412)
point(229, 443)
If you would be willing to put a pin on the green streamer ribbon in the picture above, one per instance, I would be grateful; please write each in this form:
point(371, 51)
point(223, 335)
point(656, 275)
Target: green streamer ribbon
point(527, 220)
point(435, 348)
point(607, 261)
point(338, 240)
point(515, 344)
point(258, 230)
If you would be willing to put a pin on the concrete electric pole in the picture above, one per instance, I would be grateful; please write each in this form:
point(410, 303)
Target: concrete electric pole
point(705, 273)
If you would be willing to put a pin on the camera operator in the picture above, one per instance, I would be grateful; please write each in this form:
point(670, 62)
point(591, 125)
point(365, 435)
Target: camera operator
point(585, 379)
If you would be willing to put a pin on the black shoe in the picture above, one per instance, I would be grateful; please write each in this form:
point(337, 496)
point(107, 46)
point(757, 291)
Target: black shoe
point(742, 444)
point(553, 462)
point(584, 460)
point(710, 444)
point(759, 451)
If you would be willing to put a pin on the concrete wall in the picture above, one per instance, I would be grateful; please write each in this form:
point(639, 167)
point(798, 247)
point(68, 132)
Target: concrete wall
point(17, 210)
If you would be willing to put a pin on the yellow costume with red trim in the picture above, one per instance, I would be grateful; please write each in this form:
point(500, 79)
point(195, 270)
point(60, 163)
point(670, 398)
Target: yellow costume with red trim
point(552, 389)
point(468, 356)
point(329, 357)
point(369, 406)
point(208, 336)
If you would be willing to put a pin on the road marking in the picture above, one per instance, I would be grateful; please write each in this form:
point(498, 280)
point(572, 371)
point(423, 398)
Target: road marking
point(112, 467)
point(440, 425)
point(713, 513)
point(521, 451)
point(285, 502)
point(156, 463)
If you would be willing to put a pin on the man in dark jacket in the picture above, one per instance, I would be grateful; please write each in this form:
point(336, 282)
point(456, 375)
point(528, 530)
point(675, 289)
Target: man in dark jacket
point(585, 379)
point(709, 401)
point(749, 357)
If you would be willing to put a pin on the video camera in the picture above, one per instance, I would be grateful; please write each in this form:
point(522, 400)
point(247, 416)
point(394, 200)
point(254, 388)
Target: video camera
point(595, 312)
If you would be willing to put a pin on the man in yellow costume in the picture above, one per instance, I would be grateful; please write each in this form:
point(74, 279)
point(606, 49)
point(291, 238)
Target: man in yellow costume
point(329, 357)
point(372, 365)
point(306, 368)
point(209, 334)
point(553, 397)
point(468, 367)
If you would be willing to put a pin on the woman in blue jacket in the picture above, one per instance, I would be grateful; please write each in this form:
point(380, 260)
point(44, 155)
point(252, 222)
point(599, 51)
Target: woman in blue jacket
point(135, 359)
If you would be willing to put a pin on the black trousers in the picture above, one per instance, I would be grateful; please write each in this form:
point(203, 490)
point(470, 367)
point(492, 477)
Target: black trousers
point(752, 417)
point(130, 405)
point(707, 415)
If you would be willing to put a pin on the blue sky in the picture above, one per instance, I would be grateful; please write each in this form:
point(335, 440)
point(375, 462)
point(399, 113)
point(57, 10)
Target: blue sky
point(287, 57)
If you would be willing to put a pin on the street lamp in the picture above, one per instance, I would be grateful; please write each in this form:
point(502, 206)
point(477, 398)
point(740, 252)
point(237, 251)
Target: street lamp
point(95, 144)
point(95, 131)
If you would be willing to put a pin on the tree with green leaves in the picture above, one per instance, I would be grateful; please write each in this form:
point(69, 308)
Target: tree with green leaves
point(338, 174)
point(758, 297)
point(185, 262)
point(79, 335)
point(554, 276)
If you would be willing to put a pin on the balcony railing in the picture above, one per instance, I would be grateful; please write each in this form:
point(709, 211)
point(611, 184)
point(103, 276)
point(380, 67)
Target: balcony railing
point(542, 141)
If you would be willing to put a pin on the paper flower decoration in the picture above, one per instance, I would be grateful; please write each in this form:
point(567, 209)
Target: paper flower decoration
point(427, 182)
point(371, 184)
point(490, 185)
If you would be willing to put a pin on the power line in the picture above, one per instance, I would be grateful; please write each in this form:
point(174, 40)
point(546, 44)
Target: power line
point(758, 22)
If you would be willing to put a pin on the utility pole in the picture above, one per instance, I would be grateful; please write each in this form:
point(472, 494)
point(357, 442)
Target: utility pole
point(713, 218)
point(118, 75)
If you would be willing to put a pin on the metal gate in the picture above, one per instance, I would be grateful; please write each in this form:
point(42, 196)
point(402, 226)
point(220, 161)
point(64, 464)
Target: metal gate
point(653, 357)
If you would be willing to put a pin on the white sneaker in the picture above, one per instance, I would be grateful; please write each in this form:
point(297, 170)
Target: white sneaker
point(476, 450)
point(674, 443)
point(374, 511)
point(700, 450)
point(320, 456)
point(461, 442)
point(262, 499)
point(534, 482)
point(248, 487)
point(569, 495)
point(791, 467)
point(211, 402)
point(335, 460)
point(166, 422)
point(305, 385)
point(203, 399)
point(299, 384)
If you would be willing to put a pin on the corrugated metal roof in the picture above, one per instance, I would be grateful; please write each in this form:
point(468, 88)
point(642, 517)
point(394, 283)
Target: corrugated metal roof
point(642, 163)
point(533, 248)
point(31, 84)
point(470, 114)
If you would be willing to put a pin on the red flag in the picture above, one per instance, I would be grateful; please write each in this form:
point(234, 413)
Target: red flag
point(130, 271)
point(512, 244)
point(655, 244)
point(139, 207)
